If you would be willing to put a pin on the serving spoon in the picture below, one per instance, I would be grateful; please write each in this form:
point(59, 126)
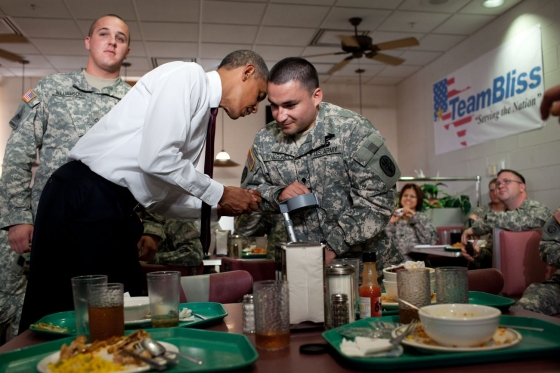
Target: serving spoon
point(156, 349)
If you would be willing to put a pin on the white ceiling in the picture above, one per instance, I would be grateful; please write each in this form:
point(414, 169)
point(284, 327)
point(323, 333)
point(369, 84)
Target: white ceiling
point(206, 30)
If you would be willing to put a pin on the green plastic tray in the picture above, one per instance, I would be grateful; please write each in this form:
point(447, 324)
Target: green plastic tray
point(214, 312)
point(220, 351)
point(485, 299)
point(534, 344)
point(253, 256)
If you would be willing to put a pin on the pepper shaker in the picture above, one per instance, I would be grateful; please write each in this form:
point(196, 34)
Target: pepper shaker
point(248, 314)
point(340, 310)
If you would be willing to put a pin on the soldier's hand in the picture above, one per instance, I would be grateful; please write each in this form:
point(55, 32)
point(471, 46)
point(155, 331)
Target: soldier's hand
point(467, 233)
point(20, 237)
point(551, 102)
point(148, 247)
point(293, 190)
point(236, 201)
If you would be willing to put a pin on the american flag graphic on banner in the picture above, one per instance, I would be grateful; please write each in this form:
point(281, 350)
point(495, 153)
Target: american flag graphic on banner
point(444, 90)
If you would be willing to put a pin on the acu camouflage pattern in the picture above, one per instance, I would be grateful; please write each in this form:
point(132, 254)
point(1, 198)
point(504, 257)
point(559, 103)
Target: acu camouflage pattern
point(258, 224)
point(65, 108)
point(418, 230)
point(545, 297)
point(530, 215)
point(180, 243)
point(345, 162)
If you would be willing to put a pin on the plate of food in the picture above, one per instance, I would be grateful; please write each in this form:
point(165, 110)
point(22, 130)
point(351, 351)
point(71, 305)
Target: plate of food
point(503, 338)
point(106, 356)
point(253, 253)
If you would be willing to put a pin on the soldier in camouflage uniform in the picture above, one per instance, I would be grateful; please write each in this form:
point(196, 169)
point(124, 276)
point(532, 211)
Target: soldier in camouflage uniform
point(521, 214)
point(545, 297)
point(179, 245)
point(333, 152)
point(50, 119)
point(259, 224)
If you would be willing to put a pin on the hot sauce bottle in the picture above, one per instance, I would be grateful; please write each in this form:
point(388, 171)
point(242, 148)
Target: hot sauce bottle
point(370, 291)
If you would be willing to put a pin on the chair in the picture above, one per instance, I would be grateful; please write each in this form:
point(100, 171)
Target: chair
point(227, 287)
point(260, 269)
point(516, 255)
point(488, 280)
point(185, 271)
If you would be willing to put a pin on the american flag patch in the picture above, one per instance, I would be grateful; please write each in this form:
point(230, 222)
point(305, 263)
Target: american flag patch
point(28, 96)
point(250, 159)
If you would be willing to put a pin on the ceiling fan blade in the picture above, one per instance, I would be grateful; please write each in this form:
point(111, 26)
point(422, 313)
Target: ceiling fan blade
point(10, 56)
point(349, 41)
point(12, 38)
point(401, 43)
point(324, 54)
point(340, 65)
point(386, 59)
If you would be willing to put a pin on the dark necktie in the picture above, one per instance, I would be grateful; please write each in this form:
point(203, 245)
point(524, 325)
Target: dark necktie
point(205, 215)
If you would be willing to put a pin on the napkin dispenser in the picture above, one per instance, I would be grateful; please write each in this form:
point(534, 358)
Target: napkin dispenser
point(302, 265)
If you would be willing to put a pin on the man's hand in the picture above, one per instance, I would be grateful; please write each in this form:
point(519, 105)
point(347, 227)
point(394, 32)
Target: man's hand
point(329, 255)
point(236, 201)
point(466, 236)
point(467, 256)
point(551, 103)
point(148, 247)
point(20, 237)
point(293, 190)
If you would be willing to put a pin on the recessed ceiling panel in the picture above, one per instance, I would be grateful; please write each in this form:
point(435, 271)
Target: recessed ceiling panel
point(49, 28)
point(35, 9)
point(419, 58)
point(232, 12)
point(435, 42)
point(172, 50)
point(228, 33)
point(90, 10)
point(170, 31)
point(464, 24)
point(275, 53)
point(285, 36)
point(295, 15)
point(413, 21)
point(372, 4)
point(401, 71)
point(68, 62)
point(219, 51)
point(62, 47)
point(450, 6)
point(168, 10)
point(339, 19)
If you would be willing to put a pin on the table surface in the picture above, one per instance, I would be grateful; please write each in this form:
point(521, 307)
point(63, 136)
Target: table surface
point(290, 360)
point(436, 251)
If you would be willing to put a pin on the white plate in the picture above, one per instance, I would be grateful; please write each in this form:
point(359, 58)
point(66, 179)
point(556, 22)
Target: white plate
point(391, 304)
point(425, 344)
point(43, 365)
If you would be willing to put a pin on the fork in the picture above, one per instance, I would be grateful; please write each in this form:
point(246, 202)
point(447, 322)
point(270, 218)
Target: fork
point(409, 329)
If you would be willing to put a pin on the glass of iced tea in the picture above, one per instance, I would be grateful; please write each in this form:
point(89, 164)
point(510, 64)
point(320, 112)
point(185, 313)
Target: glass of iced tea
point(272, 314)
point(163, 290)
point(80, 286)
point(413, 286)
point(106, 311)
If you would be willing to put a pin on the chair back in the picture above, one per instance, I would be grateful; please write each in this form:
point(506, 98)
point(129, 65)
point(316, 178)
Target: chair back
point(260, 269)
point(226, 287)
point(516, 255)
point(488, 280)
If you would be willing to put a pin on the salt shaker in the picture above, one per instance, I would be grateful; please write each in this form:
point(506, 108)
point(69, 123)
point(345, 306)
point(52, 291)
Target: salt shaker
point(340, 310)
point(248, 314)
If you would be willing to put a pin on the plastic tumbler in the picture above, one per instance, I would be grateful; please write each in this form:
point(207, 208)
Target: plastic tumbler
point(163, 290)
point(80, 293)
point(106, 311)
point(452, 285)
point(413, 286)
point(272, 314)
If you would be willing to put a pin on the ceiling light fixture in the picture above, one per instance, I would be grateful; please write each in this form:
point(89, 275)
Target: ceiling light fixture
point(223, 159)
point(492, 3)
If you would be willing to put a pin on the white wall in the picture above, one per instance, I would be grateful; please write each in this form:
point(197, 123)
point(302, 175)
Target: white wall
point(534, 154)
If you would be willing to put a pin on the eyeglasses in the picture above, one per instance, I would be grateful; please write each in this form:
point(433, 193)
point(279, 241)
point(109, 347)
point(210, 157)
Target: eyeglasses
point(506, 182)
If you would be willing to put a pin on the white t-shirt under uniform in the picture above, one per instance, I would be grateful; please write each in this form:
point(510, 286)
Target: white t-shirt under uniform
point(151, 141)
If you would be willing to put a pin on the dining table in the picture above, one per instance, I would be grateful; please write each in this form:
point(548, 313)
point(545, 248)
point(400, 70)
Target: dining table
point(291, 360)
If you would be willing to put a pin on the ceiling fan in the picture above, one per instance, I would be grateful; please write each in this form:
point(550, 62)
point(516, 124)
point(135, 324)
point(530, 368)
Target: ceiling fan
point(362, 45)
point(11, 38)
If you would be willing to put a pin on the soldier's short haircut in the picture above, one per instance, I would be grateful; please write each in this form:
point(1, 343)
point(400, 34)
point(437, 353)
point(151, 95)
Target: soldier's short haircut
point(513, 172)
point(243, 58)
point(92, 27)
point(297, 69)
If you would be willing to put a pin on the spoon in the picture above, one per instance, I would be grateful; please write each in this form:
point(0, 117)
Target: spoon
point(156, 349)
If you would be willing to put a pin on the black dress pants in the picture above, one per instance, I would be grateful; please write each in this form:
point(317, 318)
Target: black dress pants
point(85, 225)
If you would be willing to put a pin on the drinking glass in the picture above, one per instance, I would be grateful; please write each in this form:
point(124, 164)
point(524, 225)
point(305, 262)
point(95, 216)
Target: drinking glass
point(80, 294)
point(452, 285)
point(106, 311)
point(272, 314)
point(413, 286)
point(163, 290)
point(455, 235)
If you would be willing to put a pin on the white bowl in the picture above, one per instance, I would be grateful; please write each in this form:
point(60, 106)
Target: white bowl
point(391, 289)
point(136, 308)
point(459, 325)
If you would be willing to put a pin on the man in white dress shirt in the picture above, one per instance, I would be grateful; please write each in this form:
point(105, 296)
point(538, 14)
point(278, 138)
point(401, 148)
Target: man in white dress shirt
point(144, 151)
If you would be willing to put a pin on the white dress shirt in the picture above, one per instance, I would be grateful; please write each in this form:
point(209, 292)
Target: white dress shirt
point(151, 141)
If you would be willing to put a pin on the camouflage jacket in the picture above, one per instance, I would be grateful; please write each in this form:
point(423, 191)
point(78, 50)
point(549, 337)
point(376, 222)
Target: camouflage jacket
point(549, 248)
point(418, 230)
point(530, 215)
point(259, 224)
point(180, 243)
point(60, 109)
point(345, 162)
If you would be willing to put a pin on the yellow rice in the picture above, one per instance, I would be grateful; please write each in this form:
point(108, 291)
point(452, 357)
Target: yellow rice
point(85, 363)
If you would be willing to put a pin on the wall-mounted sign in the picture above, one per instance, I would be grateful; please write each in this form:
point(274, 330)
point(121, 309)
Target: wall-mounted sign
point(496, 95)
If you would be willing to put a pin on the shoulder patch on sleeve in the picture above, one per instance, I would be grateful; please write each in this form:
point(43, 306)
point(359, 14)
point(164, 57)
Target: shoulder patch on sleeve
point(374, 154)
point(551, 230)
point(28, 96)
point(21, 114)
point(250, 159)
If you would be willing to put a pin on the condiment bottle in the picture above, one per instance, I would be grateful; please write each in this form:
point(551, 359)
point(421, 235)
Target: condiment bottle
point(370, 291)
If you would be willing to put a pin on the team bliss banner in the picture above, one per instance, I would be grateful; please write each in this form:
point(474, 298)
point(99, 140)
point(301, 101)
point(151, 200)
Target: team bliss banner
point(496, 95)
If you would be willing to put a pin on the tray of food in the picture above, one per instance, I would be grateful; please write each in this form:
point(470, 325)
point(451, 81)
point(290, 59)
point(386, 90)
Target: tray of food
point(508, 343)
point(64, 323)
point(254, 253)
point(218, 351)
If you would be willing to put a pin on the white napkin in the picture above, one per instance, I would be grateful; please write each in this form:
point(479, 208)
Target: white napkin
point(186, 315)
point(362, 346)
point(304, 269)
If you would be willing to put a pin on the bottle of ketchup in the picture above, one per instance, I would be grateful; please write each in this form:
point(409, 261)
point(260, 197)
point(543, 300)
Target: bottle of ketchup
point(370, 291)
